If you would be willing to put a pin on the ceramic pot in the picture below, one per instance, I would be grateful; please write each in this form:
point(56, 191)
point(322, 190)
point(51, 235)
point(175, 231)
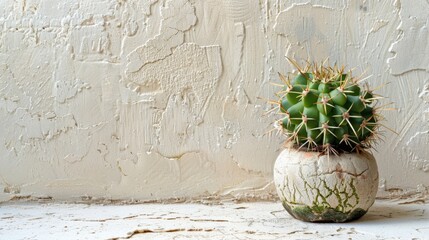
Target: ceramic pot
point(321, 188)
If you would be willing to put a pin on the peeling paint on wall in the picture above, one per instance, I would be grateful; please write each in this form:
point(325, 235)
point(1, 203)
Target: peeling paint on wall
point(161, 99)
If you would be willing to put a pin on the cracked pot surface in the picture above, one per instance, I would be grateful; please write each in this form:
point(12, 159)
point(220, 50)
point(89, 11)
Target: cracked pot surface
point(326, 188)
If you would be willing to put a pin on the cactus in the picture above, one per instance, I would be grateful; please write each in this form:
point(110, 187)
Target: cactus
point(325, 109)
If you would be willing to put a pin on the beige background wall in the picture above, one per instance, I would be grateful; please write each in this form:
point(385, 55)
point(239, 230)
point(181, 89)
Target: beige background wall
point(157, 99)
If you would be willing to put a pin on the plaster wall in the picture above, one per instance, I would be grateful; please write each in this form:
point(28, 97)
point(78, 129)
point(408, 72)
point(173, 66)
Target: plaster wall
point(156, 99)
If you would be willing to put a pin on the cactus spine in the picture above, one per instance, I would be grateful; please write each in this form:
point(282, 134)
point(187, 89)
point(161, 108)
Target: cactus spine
point(325, 109)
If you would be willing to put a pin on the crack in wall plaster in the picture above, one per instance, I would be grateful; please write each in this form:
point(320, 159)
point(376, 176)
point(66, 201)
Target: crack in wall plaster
point(177, 157)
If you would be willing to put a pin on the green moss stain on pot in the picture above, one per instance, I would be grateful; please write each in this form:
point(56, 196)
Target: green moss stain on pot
point(306, 213)
point(321, 210)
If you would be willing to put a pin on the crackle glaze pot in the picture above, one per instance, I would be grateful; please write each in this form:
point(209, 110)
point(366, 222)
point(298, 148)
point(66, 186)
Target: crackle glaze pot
point(318, 188)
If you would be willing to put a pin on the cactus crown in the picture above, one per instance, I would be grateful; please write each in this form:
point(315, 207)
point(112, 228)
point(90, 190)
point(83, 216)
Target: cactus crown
point(325, 109)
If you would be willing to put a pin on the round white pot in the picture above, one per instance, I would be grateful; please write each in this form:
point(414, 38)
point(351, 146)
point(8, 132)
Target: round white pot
point(318, 188)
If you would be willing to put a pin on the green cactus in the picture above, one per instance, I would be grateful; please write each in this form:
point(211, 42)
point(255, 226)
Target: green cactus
point(325, 109)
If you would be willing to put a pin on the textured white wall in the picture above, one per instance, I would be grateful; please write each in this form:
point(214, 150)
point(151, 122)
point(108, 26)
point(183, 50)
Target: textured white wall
point(153, 99)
